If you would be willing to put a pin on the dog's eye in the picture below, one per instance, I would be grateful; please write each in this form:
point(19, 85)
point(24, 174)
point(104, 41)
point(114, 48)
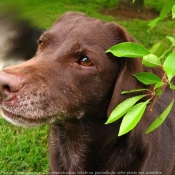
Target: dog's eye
point(40, 43)
point(85, 61)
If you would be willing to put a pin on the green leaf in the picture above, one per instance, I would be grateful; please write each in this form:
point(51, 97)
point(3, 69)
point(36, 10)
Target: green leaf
point(154, 22)
point(171, 39)
point(151, 60)
point(163, 14)
point(158, 85)
point(132, 117)
point(158, 49)
point(169, 66)
point(159, 92)
point(161, 118)
point(122, 108)
point(147, 78)
point(128, 49)
point(166, 8)
point(173, 12)
point(172, 86)
point(133, 91)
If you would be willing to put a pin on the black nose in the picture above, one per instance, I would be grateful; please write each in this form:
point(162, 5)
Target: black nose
point(9, 84)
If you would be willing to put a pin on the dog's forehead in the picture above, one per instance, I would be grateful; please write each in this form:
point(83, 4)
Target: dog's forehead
point(79, 25)
point(82, 30)
point(92, 35)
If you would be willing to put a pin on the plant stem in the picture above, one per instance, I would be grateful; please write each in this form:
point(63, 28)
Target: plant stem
point(164, 80)
point(152, 104)
point(156, 96)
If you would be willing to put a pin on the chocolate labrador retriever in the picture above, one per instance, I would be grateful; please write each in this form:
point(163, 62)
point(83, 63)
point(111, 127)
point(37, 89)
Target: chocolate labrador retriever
point(73, 85)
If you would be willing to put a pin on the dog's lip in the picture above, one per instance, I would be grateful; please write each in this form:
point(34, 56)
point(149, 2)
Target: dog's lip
point(10, 117)
point(9, 98)
point(22, 121)
point(14, 118)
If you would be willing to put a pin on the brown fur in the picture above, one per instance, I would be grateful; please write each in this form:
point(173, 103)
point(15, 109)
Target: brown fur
point(55, 88)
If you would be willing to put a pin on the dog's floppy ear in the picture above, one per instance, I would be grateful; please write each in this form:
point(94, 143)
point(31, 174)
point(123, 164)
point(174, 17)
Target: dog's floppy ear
point(119, 33)
point(125, 81)
point(128, 66)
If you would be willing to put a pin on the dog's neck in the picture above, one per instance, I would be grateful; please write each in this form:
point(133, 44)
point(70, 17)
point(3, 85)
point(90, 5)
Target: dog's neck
point(67, 147)
point(73, 144)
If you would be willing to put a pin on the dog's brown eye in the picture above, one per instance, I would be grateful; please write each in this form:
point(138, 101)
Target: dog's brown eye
point(85, 61)
point(40, 43)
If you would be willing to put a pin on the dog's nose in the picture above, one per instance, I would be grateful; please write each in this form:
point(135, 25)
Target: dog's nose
point(9, 85)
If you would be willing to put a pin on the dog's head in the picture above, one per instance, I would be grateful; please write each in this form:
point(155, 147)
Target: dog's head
point(70, 76)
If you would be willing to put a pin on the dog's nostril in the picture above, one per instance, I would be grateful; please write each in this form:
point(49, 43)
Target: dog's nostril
point(5, 92)
point(10, 84)
point(6, 88)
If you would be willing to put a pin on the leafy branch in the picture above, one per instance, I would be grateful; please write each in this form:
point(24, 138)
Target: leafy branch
point(131, 109)
point(164, 13)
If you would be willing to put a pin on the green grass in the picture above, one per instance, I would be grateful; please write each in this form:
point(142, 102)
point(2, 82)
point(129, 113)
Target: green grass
point(25, 150)
point(43, 13)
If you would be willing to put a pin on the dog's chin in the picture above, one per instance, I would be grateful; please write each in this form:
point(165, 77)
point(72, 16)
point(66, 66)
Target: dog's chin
point(19, 120)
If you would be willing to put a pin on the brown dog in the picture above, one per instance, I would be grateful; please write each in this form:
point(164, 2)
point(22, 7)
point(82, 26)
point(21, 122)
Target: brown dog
point(72, 84)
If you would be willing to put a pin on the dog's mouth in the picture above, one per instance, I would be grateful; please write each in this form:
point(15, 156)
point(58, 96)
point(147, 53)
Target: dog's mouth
point(30, 109)
point(22, 121)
